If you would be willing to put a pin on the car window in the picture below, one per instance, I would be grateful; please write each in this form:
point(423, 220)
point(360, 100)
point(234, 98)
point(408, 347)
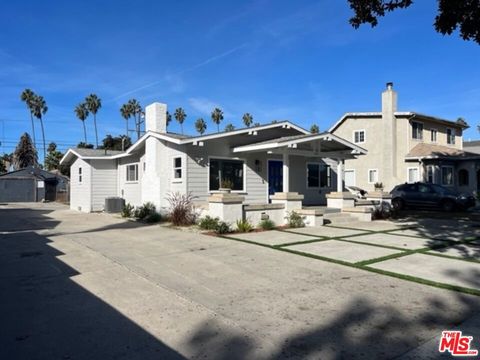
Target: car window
point(424, 188)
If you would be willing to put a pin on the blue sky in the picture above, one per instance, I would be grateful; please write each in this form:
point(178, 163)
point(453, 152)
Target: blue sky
point(298, 60)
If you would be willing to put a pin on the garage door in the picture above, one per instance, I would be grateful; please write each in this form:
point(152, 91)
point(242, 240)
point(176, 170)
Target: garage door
point(17, 189)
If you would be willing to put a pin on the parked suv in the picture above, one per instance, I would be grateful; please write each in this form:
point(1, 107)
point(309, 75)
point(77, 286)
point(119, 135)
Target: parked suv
point(429, 195)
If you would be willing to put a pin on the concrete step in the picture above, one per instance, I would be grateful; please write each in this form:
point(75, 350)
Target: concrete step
point(339, 218)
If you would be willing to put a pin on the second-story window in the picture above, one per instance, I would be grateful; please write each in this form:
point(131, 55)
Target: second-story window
point(359, 136)
point(433, 135)
point(417, 130)
point(450, 136)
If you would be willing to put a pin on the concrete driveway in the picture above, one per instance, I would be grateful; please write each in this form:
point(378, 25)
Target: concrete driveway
point(91, 286)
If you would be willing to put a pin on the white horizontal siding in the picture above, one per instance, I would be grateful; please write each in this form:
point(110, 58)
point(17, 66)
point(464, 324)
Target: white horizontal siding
point(104, 182)
point(130, 191)
point(80, 192)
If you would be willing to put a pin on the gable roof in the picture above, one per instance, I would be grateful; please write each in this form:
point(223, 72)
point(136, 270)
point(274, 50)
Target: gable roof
point(31, 171)
point(431, 151)
point(398, 114)
point(173, 138)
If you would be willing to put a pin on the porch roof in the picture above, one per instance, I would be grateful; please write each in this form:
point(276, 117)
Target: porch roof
point(424, 151)
point(323, 144)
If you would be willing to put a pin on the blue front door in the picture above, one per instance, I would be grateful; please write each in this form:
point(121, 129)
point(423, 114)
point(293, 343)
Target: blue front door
point(275, 176)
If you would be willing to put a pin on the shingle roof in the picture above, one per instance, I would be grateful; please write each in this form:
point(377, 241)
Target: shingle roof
point(286, 138)
point(96, 152)
point(471, 143)
point(423, 150)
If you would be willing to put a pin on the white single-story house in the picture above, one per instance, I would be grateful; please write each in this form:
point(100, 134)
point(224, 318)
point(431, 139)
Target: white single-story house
point(256, 162)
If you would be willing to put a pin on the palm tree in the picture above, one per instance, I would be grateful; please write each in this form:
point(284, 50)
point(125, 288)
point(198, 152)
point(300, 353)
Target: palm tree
point(136, 111)
point(169, 118)
point(200, 126)
point(39, 109)
point(217, 117)
point(82, 113)
point(94, 103)
point(257, 124)
point(247, 119)
point(27, 96)
point(229, 127)
point(180, 116)
point(126, 113)
point(314, 129)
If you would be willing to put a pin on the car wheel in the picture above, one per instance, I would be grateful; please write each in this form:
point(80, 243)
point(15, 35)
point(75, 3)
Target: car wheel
point(448, 206)
point(398, 204)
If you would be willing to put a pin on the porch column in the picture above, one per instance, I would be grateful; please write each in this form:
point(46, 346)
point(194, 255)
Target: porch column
point(286, 176)
point(340, 175)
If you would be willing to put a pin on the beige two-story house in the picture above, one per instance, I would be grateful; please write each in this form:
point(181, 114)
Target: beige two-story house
point(406, 147)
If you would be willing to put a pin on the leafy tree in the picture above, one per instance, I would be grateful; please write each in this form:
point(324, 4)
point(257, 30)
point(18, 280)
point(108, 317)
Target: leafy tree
point(25, 154)
point(82, 145)
point(200, 126)
point(314, 129)
point(247, 119)
point(180, 116)
point(257, 124)
point(52, 162)
point(452, 14)
point(39, 109)
point(82, 113)
point(6, 161)
point(94, 103)
point(3, 167)
point(217, 117)
point(27, 97)
point(462, 121)
point(119, 143)
point(229, 127)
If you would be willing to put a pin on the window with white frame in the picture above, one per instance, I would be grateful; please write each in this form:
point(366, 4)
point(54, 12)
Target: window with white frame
point(80, 177)
point(417, 130)
point(359, 136)
point(132, 172)
point(412, 175)
point(447, 175)
point(450, 136)
point(430, 174)
point(433, 135)
point(372, 176)
point(318, 175)
point(177, 168)
point(226, 173)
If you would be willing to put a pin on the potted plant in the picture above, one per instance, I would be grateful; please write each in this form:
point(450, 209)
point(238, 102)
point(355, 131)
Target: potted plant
point(226, 186)
point(378, 186)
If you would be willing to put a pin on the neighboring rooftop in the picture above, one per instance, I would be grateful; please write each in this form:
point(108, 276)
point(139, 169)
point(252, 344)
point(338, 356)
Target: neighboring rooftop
point(431, 151)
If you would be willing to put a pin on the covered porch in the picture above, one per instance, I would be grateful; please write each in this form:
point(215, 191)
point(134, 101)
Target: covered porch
point(308, 165)
point(304, 172)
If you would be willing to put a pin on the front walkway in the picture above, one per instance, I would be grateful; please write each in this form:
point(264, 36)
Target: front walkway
point(445, 254)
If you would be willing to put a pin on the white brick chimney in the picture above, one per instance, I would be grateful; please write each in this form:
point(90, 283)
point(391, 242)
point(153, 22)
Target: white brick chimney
point(156, 117)
point(389, 107)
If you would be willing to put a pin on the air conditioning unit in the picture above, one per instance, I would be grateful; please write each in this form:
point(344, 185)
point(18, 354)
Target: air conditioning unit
point(114, 204)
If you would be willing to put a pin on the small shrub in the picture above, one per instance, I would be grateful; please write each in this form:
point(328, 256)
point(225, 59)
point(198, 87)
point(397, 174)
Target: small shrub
point(181, 211)
point(208, 223)
point(383, 211)
point(153, 218)
point(378, 186)
point(267, 224)
point(294, 220)
point(127, 211)
point(145, 210)
point(244, 226)
point(223, 228)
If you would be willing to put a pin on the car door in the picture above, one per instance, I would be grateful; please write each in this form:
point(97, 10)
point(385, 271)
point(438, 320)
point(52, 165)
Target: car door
point(427, 195)
point(410, 194)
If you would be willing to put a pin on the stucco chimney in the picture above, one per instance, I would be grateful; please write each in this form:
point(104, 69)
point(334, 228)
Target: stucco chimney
point(156, 117)
point(389, 124)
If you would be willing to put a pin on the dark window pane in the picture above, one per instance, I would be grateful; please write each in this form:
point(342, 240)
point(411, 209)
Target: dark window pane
point(178, 162)
point(313, 177)
point(214, 175)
